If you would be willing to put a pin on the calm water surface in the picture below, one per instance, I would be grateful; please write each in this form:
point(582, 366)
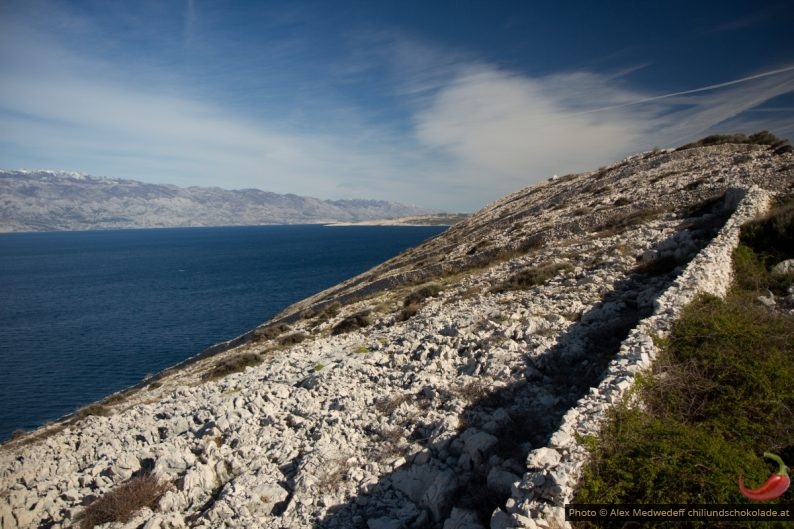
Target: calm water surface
point(84, 314)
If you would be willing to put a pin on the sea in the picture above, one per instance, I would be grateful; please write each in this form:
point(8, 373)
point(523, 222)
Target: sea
point(85, 314)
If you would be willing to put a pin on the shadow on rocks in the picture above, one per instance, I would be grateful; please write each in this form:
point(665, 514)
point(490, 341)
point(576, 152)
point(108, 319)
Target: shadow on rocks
point(458, 482)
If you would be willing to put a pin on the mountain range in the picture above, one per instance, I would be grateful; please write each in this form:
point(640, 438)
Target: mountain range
point(61, 200)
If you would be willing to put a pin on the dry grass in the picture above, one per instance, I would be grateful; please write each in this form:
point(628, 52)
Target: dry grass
point(92, 409)
point(532, 277)
point(387, 406)
point(293, 339)
point(121, 503)
point(352, 323)
point(270, 332)
point(233, 365)
point(335, 473)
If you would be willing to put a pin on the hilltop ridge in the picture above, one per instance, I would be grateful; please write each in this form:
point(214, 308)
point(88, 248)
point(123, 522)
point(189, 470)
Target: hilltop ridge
point(442, 388)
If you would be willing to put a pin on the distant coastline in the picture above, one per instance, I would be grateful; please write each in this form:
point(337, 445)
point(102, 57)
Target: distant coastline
point(440, 219)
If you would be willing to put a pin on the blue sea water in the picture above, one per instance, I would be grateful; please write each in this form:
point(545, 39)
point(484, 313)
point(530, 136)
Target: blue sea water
point(84, 314)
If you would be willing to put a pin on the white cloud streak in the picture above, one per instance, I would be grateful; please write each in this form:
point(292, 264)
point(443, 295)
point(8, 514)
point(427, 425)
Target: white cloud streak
point(507, 130)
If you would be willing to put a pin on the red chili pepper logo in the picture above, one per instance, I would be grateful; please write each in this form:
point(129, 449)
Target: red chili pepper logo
point(774, 486)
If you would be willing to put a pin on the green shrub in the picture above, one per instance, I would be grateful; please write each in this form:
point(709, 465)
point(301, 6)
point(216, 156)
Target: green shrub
point(765, 243)
point(719, 396)
point(640, 458)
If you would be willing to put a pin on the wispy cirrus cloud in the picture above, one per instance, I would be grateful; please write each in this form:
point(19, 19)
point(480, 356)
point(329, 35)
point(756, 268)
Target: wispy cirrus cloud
point(515, 128)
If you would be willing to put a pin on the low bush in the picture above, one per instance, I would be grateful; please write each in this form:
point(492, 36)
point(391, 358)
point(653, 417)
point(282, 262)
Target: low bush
point(352, 323)
point(293, 339)
point(233, 365)
point(271, 331)
point(532, 277)
point(121, 503)
point(421, 294)
point(622, 222)
point(408, 312)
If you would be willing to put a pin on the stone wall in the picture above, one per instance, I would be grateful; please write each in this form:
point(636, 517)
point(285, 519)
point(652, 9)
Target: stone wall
point(538, 500)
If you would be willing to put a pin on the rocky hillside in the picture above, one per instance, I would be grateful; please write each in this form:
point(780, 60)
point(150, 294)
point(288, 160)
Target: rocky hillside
point(444, 388)
point(56, 200)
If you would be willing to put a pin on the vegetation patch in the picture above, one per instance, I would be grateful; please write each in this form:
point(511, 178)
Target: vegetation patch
point(388, 405)
point(532, 277)
point(718, 397)
point(270, 332)
point(121, 503)
point(352, 323)
point(293, 339)
point(92, 409)
point(419, 295)
point(321, 315)
point(233, 365)
point(621, 223)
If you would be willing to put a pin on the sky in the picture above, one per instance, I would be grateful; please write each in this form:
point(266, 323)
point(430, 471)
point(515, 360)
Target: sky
point(441, 104)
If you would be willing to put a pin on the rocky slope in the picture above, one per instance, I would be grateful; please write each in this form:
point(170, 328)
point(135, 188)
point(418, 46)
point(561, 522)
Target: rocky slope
point(444, 388)
point(57, 200)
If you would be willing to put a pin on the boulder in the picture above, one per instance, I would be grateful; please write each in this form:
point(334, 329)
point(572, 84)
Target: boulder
point(501, 481)
point(427, 487)
point(478, 444)
point(784, 267)
point(543, 457)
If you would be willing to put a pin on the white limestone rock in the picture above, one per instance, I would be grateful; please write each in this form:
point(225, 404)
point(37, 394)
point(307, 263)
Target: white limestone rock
point(543, 457)
point(784, 267)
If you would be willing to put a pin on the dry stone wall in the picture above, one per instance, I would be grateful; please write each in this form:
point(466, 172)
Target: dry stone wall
point(538, 499)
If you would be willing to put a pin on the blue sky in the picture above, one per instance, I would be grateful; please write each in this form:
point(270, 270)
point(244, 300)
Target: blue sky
point(441, 104)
